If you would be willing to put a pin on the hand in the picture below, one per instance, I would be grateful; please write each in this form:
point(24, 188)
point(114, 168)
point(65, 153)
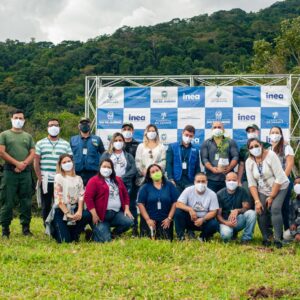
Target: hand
point(269, 201)
point(226, 170)
point(216, 170)
point(21, 165)
point(240, 184)
point(198, 222)
point(233, 215)
point(128, 214)
point(230, 223)
point(193, 215)
point(17, 170)
point(258, 208)
point(77, 216)
point(166, 223)
point(293, 227)
point(95, 217)
point(151, 223)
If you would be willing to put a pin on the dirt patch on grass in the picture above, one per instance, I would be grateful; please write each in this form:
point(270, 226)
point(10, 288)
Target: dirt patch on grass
point(268, 292)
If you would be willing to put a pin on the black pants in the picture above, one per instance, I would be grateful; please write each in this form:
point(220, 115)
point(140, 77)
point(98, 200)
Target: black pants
point(160, 233)
point(216, 185)
point(47, 200)
point(86, 175)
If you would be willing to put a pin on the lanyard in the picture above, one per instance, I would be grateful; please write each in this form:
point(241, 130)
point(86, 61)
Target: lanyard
point(259, 168)
point(53, 145)
point(186, 155)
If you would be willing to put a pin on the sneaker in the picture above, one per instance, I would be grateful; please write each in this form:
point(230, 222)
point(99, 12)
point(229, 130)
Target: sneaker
point(266, 243)
point(191, 235)
point(135, 232)
point(5, 232)
point(26, 230)
point(88, 234)
point(278, 244)
point(200, 239)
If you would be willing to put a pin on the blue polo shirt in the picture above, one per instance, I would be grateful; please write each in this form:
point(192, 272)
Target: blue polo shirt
point(149, 196)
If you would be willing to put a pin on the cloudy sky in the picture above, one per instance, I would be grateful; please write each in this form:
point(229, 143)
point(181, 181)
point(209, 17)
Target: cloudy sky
point(57, 20)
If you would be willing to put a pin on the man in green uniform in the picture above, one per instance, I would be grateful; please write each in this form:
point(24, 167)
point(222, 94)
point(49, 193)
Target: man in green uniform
point(17, 150)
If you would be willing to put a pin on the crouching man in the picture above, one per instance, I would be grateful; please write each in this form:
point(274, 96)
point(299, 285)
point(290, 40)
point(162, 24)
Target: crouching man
point(196, 210)
point(234, 213)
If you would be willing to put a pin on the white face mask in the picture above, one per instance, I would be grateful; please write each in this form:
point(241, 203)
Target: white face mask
point(53, 130)
point(231, 185)
point(68, 166)
point(105, 172)
point(127, 134)
point(275, 137)
point(255, 151)
point(297, 188)
point(118, 145)
point(252, 135)
point(217, 132)
point(151, 135)
point(186, 139)
point(200, 187)
point(17, 123)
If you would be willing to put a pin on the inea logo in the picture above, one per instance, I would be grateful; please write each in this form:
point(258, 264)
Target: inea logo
point(246, 117)
point(274, 96)
point(190, 97)
point(136, 118)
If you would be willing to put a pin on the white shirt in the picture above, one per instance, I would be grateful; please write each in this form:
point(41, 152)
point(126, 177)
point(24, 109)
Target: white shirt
point(120, 163)
point(114, 202)
point(201, 204)
point(272, 172)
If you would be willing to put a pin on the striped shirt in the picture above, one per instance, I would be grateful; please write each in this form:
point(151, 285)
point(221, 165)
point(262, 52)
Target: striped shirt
point(49, 152)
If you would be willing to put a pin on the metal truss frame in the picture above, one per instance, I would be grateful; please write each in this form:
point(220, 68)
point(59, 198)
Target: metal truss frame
point(93, 83)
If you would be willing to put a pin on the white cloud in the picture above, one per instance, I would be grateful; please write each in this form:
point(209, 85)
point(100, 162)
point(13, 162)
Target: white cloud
point(58, 20)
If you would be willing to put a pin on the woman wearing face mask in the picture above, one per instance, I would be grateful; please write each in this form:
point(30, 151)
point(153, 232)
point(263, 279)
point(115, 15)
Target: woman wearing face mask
point(293, 233)
point(68, 217)
point(268, 186)
point(151, 151)
point(107, 200)
point(156, 201)
point(124, 163)
point(286, 156)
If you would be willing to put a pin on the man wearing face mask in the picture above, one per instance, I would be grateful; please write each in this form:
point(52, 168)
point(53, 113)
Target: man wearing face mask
point(293, 233)
point(196, 210)
point(87, 149)
point(252, 132)
point(234, 213)
point(219, 155)
point(47, 153)
point(17, 150)
point(130, 143)
point(183, 160)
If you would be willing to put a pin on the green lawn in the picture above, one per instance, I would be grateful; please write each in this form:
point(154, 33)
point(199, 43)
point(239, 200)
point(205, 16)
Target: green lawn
point(143, 269)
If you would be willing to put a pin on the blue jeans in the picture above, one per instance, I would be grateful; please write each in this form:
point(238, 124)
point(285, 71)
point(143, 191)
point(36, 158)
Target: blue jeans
point(120, 222)
point(245, 221)
point(64, 233)
point(183, 222)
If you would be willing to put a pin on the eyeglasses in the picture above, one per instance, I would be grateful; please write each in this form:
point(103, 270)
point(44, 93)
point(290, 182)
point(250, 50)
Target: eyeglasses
point(255, 146)
point(151, 154)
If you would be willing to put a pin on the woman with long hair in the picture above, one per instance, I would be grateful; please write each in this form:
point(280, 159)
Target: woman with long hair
point(70, 217)
point(156, 201)
point(286, 156)
point(124, 163)
point(151, 151)
point(268, 186)
point(107, 199)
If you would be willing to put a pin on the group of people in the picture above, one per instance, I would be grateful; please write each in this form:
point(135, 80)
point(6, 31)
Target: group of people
point(214, 188)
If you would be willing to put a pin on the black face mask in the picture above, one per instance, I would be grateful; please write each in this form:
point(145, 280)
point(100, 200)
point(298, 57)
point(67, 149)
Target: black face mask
point(85, 128)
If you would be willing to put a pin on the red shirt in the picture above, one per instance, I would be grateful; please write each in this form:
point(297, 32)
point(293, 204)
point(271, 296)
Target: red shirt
point(97, 193)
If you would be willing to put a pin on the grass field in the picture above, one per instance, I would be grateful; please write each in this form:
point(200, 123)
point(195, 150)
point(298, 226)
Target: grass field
point(143, 269)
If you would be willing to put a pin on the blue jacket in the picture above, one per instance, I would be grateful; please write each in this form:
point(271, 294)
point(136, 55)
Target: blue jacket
point(90, 161)
point(192, 165)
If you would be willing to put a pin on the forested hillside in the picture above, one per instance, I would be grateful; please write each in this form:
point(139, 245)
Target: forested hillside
point(41, 77)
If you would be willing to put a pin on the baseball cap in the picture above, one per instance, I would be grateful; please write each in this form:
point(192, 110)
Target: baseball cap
point(127, 124)
point(254, 126)
point(84, 119)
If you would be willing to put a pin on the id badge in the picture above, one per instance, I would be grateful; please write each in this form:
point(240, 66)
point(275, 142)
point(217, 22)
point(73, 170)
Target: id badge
point(84, 151)
point(159, 205)
point(184, 166)
point(260, 182)
point(217, 156)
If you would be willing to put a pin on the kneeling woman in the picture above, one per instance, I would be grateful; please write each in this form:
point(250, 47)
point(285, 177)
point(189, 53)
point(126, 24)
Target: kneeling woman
point(68, 216)
point(156, 201)
point(107, 200)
